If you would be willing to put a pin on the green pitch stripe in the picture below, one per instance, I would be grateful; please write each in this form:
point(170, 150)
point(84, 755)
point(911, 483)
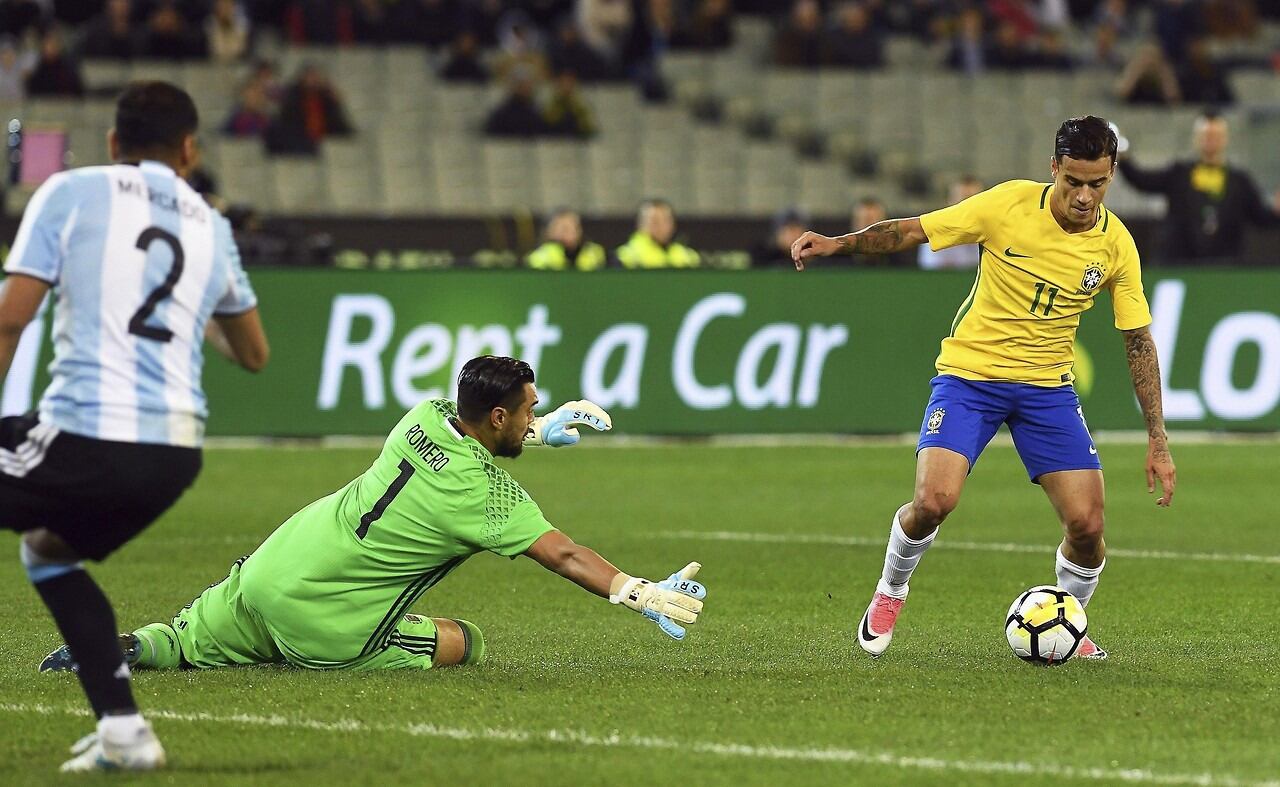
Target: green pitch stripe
point(973, 291)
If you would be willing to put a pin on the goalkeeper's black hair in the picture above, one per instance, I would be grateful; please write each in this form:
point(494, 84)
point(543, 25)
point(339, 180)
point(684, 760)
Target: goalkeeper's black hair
point(1086, 138)
point(490, 381)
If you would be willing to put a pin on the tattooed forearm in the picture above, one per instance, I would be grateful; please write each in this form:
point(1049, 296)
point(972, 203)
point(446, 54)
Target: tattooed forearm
point(883, 238)
point(1144, 368)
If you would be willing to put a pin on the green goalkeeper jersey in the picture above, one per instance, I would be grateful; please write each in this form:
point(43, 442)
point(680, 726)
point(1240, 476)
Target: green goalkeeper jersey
point(337, 577)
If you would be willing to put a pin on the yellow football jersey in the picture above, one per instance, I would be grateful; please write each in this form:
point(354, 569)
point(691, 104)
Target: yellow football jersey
point(1034, 281)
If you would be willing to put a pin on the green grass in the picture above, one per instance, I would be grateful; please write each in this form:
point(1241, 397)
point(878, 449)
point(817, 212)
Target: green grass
point(1191, 687)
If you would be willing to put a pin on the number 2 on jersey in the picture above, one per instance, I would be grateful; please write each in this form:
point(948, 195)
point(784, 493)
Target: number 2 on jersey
point(406, 472)
point(1048, 304)
point(138, 323)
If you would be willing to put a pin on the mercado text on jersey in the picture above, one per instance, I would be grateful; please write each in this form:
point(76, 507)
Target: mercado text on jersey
point(1034, 280)
point(138, 262)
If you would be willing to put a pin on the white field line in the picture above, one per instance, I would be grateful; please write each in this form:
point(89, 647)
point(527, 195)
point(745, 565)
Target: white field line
point(967, 546)
point(619, 740)
point(1114, 437)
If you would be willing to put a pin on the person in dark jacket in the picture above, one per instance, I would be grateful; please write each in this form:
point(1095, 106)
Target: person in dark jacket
point(55, 74)
point(1210, 202)
point(309, 112)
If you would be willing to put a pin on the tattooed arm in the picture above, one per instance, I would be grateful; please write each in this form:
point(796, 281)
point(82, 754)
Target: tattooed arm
point(1144, 368)
point(885, 237)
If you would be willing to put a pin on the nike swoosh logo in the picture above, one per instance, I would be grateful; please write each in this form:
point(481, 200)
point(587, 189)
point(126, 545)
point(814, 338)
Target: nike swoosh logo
point(1093, 450)
point(1009, 252)
point(866, 630)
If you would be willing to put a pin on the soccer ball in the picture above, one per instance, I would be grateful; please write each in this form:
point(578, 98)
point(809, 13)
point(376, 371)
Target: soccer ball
point(1045, 625)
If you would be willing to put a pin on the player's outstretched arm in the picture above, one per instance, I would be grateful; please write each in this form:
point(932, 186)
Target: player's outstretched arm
point(560, 426)
point(885, 237)
point(20, 298)
point(675, 600)
point(1144, 368)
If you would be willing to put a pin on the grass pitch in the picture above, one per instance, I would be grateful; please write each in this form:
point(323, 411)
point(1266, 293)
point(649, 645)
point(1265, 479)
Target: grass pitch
point(770, 687)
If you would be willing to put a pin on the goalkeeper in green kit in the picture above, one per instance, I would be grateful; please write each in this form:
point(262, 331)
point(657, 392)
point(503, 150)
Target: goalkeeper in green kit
point(331, 588)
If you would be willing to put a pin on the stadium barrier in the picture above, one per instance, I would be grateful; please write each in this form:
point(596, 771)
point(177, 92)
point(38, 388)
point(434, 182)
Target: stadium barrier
point(703, 353)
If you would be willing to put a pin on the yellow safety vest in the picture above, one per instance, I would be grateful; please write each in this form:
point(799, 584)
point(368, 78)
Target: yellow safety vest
point(552, 256)
point(643, 251)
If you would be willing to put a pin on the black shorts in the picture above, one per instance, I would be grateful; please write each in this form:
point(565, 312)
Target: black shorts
point(95, 494)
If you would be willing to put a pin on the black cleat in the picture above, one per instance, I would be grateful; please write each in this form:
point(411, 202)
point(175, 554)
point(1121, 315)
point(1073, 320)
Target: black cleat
point(61, 661)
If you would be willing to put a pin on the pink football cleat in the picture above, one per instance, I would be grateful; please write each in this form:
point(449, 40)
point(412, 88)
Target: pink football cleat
point(1088, 650)
point(876, 629)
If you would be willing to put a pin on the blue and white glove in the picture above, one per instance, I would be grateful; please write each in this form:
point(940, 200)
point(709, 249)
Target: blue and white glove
point(675, 600)
point(560, 426)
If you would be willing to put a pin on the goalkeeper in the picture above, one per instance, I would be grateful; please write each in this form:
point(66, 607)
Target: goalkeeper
point(331, 588)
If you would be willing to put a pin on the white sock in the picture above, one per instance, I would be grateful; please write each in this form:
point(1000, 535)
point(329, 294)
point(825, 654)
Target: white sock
point(1077, 580)
point(900, 559)
point(121, 729)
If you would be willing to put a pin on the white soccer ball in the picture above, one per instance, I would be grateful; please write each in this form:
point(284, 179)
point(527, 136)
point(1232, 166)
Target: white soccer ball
point(1045, 625)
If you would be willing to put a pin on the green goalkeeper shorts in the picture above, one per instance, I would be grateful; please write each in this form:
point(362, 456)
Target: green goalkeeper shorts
point(219, 629)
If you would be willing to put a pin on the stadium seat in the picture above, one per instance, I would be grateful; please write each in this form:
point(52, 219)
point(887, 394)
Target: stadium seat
point(301, 185)
point(244, 173)
point(353, 177)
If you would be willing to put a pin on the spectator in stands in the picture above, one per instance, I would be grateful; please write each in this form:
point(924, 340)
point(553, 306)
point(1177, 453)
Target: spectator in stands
point(112, 33)
point(325, 22)
point(855, 42)
point(708, 27)
point(566, 248)
point(14, 68)
point(799, 43)
point(169, 35)
point(788, 225)
point(571, 53)
point(464, 63)
point(968, 47)
point(567, 114)
point(1009, 51)
point(265, 74)
point(251, 116)
point(653, 245)
point(605, 26)
point(430, 22)
point(1149, 78)
point(19, 16)
point(520, 47)
point(54, 74)
point(956, 257)
point(310, 111)
point(369, 22)
point(518, 114)
point(1200, 79)
point(1209, 202)
point(868, 211)
point(227, 30)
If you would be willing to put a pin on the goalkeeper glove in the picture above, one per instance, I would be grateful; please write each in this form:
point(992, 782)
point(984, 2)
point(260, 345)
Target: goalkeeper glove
point(675, 600)
point(559, 427)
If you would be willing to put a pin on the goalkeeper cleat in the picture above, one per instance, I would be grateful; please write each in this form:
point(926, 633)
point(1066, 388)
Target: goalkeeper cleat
point(138, 751)
point(61, 661)
point(876, 629)
point(1089, 650)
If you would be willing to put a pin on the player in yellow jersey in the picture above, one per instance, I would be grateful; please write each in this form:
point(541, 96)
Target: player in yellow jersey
point(1047, 249)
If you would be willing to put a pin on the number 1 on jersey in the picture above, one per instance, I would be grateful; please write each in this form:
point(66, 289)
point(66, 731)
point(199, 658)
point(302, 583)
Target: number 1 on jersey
point(406, 472)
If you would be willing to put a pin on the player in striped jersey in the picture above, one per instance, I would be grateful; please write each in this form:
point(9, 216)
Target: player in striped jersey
point(138, 264)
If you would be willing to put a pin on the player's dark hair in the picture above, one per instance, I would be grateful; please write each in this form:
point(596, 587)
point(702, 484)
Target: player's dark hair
point(154, 117)
point(1087, 138)
point(490, 381)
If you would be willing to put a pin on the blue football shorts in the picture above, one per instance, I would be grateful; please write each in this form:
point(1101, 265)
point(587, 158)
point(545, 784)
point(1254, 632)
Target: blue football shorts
point(1047, 424)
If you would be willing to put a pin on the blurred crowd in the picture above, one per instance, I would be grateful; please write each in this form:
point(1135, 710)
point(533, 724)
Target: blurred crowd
point(1159, 51)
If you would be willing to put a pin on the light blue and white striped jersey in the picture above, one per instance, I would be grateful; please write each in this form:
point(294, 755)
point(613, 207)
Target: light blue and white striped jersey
point(138, 262)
